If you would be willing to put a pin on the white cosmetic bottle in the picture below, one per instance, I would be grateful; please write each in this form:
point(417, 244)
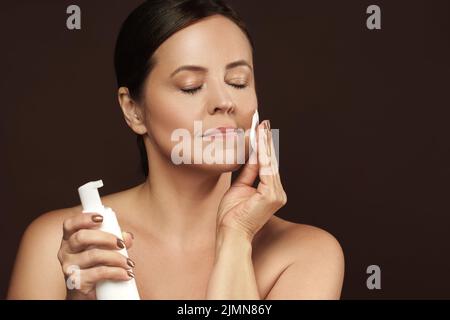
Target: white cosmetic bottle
point(91, 202)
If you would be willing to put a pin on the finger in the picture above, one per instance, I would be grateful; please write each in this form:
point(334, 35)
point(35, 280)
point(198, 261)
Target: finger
point(251, 168)
point(278, 186)
point(272, 153)
point(264, 153)
point(273, 161)
point(84, 238)
point(128, 238)
point(81, 221)
point(91, 276)
point(270, 186)
point(95, 257)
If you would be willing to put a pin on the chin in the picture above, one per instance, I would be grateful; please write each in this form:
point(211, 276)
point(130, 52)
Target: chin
point(218, 168)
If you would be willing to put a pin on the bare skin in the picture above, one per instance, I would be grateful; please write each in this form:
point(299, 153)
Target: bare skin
point(170, 271)
point(196, 236)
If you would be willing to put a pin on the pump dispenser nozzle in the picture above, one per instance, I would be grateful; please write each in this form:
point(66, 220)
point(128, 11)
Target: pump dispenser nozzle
point(90, 198)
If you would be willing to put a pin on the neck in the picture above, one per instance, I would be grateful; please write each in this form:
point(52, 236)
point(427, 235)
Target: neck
point(180, 202)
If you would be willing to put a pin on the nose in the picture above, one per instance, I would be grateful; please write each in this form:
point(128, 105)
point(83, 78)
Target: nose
point(220, 99)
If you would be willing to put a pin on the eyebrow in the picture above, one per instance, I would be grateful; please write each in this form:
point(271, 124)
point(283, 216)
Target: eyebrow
point(203, 69)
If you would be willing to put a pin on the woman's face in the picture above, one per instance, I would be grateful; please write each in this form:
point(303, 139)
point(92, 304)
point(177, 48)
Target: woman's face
point(203, 72)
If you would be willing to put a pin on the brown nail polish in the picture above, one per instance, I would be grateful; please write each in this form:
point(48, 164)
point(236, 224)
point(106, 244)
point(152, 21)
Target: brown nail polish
point(120, 243)
point(97, 218)
point(130, 274)
point(130, 263)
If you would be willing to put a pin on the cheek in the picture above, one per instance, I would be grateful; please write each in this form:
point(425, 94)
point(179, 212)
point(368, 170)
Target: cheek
point(247, 101)
point(166, 114)
point(173, 114)
point(248, 104)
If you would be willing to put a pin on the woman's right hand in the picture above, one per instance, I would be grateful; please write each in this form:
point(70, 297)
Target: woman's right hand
point(88, 255)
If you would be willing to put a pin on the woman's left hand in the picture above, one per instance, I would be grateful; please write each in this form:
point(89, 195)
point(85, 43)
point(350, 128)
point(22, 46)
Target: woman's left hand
point(243, 208)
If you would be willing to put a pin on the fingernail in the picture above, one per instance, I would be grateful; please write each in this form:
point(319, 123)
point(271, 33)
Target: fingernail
point(97, 218)
point(120, 243)
point(268, 124)
point(130, 273)
point(130, 263)
point(131, 234)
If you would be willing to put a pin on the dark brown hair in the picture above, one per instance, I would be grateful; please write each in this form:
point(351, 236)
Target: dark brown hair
point(145, 29)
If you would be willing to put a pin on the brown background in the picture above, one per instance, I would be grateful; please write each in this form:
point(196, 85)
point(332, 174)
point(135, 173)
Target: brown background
point(363, 118)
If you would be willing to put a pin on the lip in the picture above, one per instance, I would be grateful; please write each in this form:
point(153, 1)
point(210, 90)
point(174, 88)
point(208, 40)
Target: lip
point(220, 131)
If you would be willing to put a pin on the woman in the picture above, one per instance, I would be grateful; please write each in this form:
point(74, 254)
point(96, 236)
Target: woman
point(191, 233)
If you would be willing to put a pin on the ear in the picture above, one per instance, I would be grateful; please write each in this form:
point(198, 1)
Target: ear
point(132, 111)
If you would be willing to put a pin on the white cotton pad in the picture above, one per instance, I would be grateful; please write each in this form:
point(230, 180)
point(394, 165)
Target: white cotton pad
point(255, 122)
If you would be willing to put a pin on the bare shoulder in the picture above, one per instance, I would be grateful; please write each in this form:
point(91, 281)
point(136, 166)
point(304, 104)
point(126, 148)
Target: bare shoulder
point(49, 225)
point(298, 239)
point(52, 220)
point(304, 261)
point(37, 273)
point(47, 228)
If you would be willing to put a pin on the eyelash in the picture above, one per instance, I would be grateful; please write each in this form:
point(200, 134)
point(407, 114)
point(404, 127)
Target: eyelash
point(194, 90)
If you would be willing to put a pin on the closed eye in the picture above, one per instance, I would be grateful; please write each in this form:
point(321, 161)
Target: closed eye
point(194, 90)
point(239, 86)
point(191, 91)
